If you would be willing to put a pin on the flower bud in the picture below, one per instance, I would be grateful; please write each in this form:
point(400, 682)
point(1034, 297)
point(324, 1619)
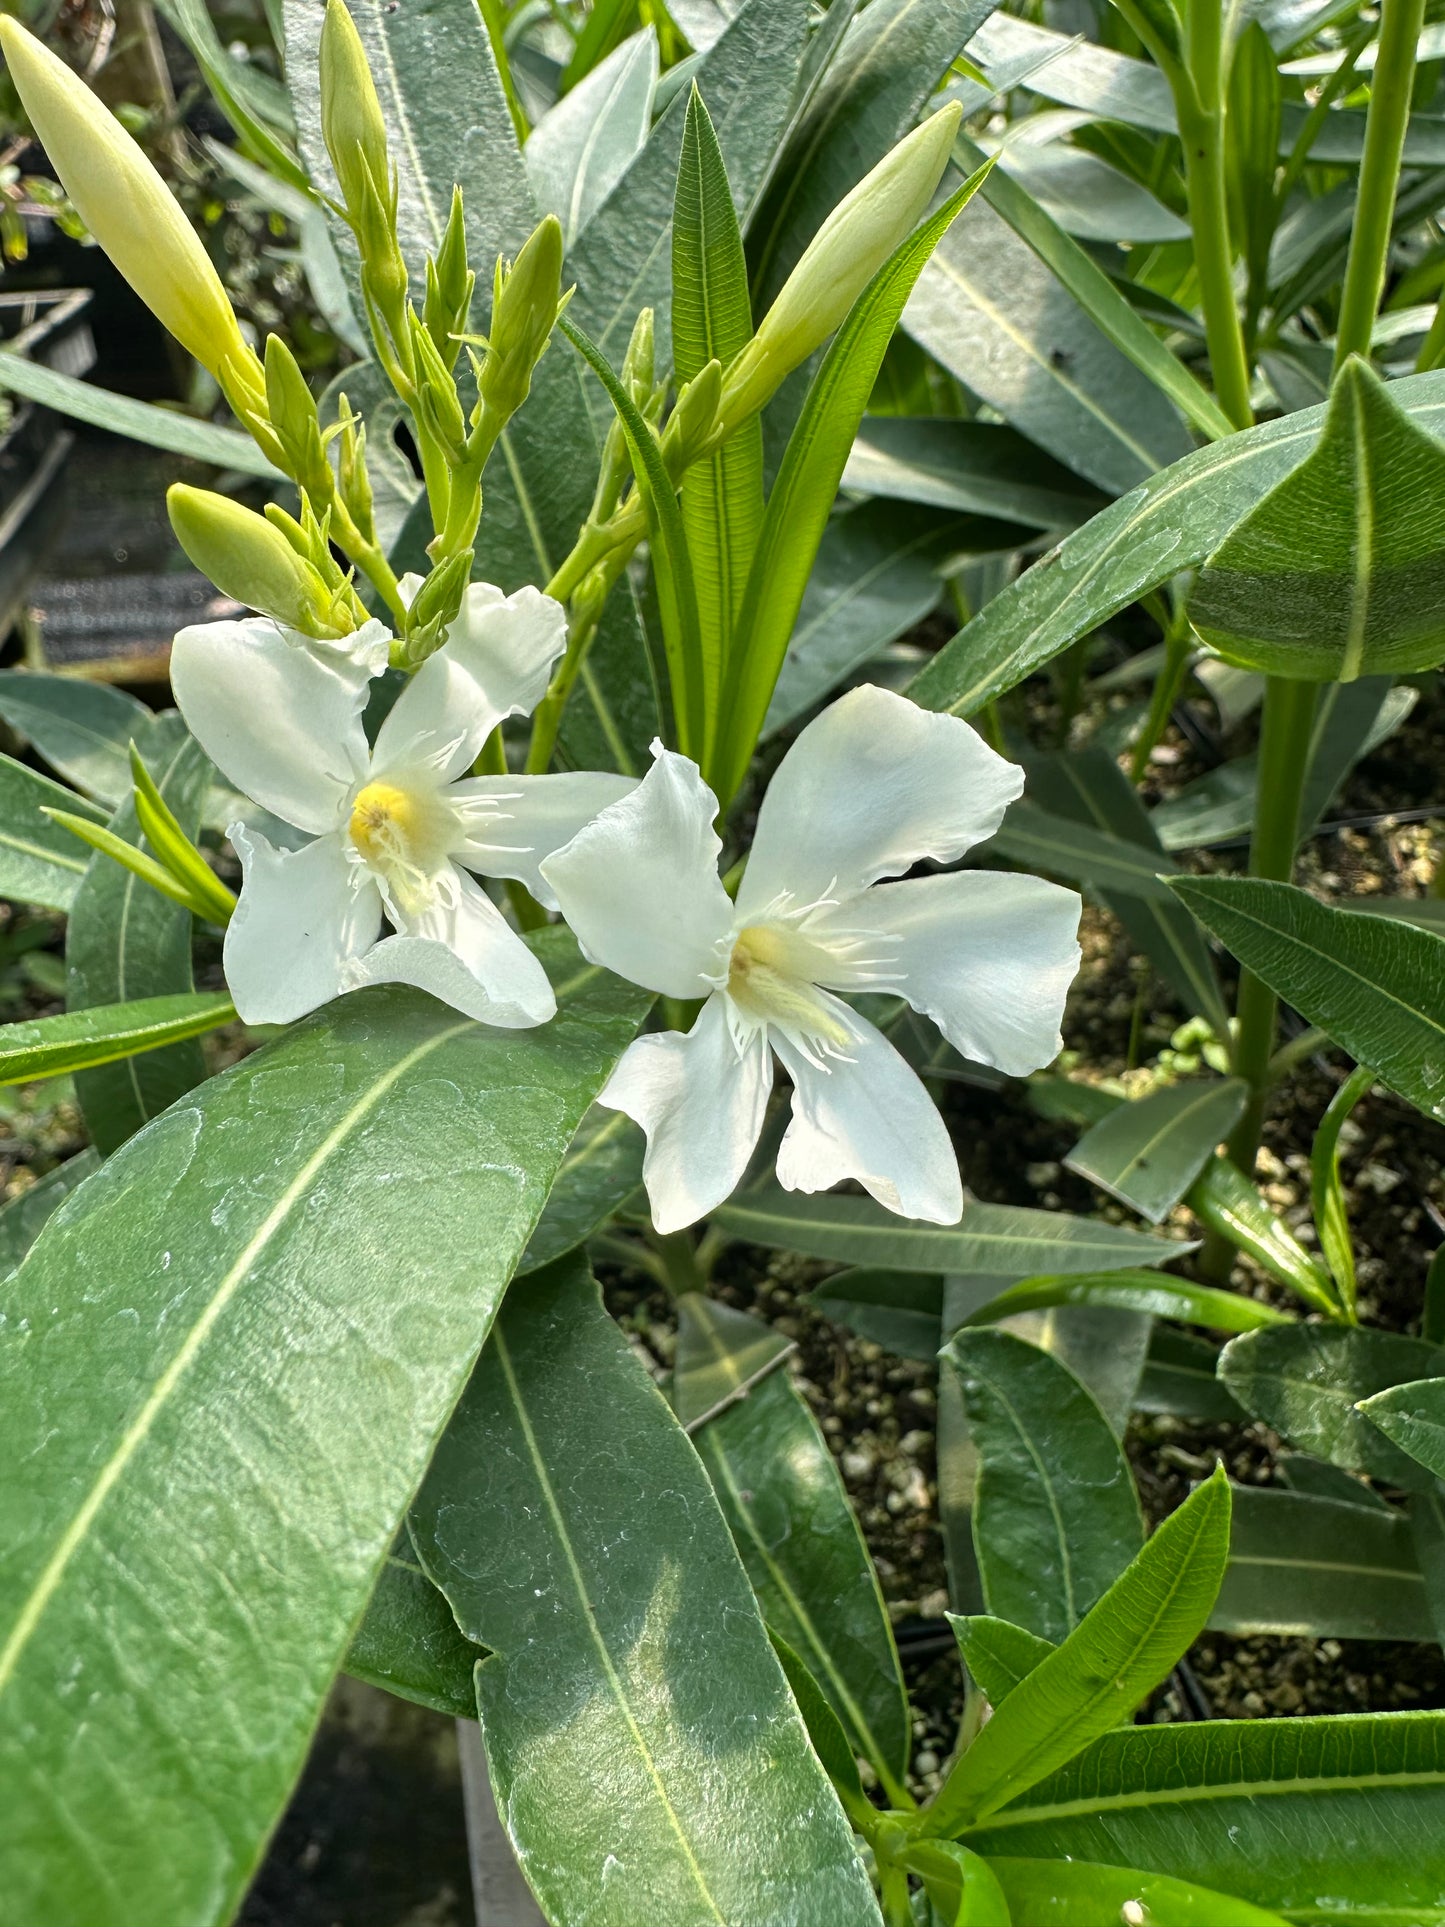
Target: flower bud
point(438, 403)
point(525, 304)
point(351, 120)
point(839, 262)
point(249, 560)
point(128, 208)
point(432, 610)
point(291, 408)
point(691, 421)
point(449, 284)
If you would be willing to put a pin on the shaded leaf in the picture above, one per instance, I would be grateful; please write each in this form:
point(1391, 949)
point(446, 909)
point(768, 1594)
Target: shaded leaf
point(22, 1216)
point(781, 1495)
point(1149, 1151)
point(899, 1310)
point(1140, 1291)
point(721, 1354)
point(603, 1166)
point(1413, 1416)
point(577, 153)
point(974, 468)
point(1307, 1381)
point(82, 729)
point(40, 861)
point(409, 1644)
point(996, 1653)
point(1314, 1568)
point(1373, 983)
point(1339, 571)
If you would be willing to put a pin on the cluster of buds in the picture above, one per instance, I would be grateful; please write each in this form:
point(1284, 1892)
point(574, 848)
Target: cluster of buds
point(270, 562)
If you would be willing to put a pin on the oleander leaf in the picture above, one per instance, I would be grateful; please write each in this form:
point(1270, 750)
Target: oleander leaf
point(1339, 571)
point(40, 861)
point(1149, 1151)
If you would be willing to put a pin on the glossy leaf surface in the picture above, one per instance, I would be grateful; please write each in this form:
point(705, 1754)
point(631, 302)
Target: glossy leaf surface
point(1054, 1893)
point(47, 1046)
point(341, 1210)
point(781, 1495)
point(1413, 1416)
point(1156, 1293)
point(1149, 1152)
point(409, 1644)
point(1055, 1515)
point(1372, 982)
point(645, 1752)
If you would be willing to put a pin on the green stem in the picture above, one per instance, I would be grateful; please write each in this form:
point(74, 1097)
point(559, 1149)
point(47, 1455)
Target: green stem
point(678, 1258)
point(1400, 25)
point(1200, 106)
point(1167, 685)
point(1284, 758)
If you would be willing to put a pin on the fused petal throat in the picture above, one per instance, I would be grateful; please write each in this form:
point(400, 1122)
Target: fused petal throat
point(404, 835)
point(770, 983)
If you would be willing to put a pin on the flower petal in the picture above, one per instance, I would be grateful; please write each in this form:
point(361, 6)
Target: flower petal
point(518, 821)
point(467, 955)
point(871, 786)
point(279, 715)
point(639, 885)
point(303, 915)
point(701, 1099)
point(987, 955)
point(868, 1117)
point(495, 663)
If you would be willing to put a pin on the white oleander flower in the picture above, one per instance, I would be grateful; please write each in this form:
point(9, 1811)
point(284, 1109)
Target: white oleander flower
point(872, 786)
point(398, 827)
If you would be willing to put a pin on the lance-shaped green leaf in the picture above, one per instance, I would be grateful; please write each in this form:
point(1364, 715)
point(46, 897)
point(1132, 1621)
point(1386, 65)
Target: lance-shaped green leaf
point(1413, 1415)
point(961, 1884)
point(994, 1240)
point(1140, 1291)
point(722, 496)
point(139, 421)
point(1307, 1381)
point(48, 1046)
point(900, 1310)
point(1058, 1893)
point(647, 1757)
point(1180, 1378)
point(825, 1730)
point(1340, 571)
point(721, 1354)
point(997, 1653)
point(974, 468)
point(1123, 1648)
point(1318, 1479)
point(124, 941)
point(1283, 1812)
point(803, 495)
point(581, 148)
point(1055, 1515)
point(603, 1166)
point(40, 861)
point(994, 313)
point(1313, 1568)
point(1169, 523)
point(1149, 1152)
point(1225, 1201)
point(23, 1215)
point(1088, 787)
point(1372, 982)
point(82, 729)
point(287, 1279)
point(693, 674)
point(780, 1493)
point(408, 1642)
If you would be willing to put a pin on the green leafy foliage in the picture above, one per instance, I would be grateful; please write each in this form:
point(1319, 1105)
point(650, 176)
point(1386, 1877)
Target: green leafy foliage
point(124, 941)
point(784, 1501)
point(382, 1125)
point(1055, 1894)
point(48, 1046)
point(1155, 1293)
point(1372, 982)
point(40, 861)
point(1324, 1820)
point(1340, 571)
point(409, 1644)
point(1307, 1381)
point(1148, 1153)
point(997, 1654)
point(631, 1676)
point(1055, 1515)
point(1306, 1566)
point(1412, 1415)
point(1121, 1649)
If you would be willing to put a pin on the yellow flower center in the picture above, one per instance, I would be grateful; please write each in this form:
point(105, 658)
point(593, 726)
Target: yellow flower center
point(766, 981)
point(404, 836)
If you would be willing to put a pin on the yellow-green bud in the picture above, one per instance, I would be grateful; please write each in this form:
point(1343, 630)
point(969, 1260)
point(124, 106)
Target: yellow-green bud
point(438, 402)
point(249, 560)
point(839, 262)
point(449, 284)
point(637, 363)
point(128, 208)
point(526, 301)
point(351, 120)
point(433, 609)
point(351, 470)
point(294, 421)
point(690, 422)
